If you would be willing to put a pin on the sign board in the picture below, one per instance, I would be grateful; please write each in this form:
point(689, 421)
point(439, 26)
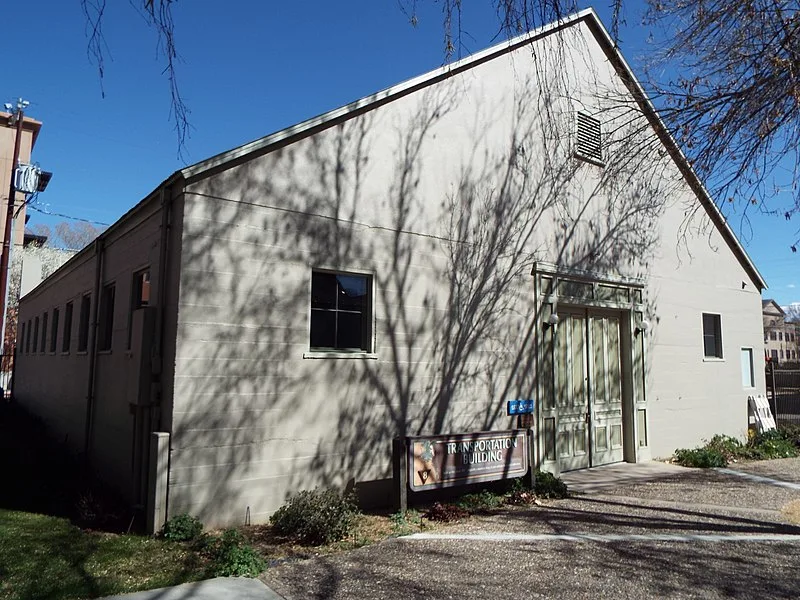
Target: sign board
point(441, 461)
point(765, 421)
point(520, 407)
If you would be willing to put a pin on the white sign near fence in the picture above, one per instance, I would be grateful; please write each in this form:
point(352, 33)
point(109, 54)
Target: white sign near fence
point(759, 405)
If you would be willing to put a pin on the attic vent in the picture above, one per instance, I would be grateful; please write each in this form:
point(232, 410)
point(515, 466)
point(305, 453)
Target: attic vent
point(589, 144)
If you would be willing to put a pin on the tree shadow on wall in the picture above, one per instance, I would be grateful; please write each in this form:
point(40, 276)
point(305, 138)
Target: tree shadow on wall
point(450, 217)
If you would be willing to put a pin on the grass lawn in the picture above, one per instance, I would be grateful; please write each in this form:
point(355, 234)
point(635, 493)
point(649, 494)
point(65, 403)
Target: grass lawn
point(48, 557)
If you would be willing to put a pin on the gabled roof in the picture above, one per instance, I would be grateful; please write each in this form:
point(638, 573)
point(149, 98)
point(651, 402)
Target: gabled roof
point(276, 140)
point(770, 303)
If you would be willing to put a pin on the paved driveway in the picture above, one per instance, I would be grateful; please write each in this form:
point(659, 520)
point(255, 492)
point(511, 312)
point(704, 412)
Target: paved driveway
point(667, 533)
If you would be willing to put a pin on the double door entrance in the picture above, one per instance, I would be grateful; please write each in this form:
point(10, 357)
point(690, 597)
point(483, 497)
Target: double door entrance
point(588, 389)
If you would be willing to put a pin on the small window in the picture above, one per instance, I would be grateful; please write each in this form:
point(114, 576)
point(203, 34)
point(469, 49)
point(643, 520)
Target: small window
point(83, 331)
point(66, 336)
point(21, 339)
point(773, 354)
point(773, 336)
point(712, 336)
point(106, 318)
point(748, 375)
point(140, 296)
point(341, 311)
point(781, 352)
point(589, 138)
point(35, 333)
point(28, 338)
point(54, 331)
point(44, 332)
point(780, 336)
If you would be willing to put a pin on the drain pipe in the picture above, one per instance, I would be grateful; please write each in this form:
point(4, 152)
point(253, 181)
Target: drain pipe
point(99, 251)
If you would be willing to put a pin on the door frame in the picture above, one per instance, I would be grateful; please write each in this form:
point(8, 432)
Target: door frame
point(574, 291)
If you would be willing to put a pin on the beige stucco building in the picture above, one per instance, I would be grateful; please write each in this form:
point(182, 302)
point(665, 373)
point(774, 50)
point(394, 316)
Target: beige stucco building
point(781, 343)
point(511, 226)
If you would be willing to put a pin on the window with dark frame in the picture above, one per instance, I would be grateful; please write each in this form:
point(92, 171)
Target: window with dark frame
point(35, 333)
point(341, 311)
point(66, 336)
point(83, 328)
point(140, 297)
point(44, 332)
point(28, 339)
point(106, 318)
point(54, 331)
point(589, 138)
point(21, 340)
point(712, 336)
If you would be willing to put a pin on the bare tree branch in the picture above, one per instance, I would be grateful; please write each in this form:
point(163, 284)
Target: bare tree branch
point(157, 14)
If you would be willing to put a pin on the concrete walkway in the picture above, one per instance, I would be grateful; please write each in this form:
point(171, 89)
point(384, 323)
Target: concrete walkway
point(597, 479)
point(221, 588)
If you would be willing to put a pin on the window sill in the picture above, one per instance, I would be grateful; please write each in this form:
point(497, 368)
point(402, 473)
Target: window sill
point(82, 352)
point(334, 354)
point(712, 359)
point(101, 352)
point(589, 159)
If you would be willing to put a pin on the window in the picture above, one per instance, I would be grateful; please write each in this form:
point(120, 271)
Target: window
point(35, 333)
point(106, 318)
point(83, 331)
point(748, 376)
point(21, 340)
point(66, 337)
point(780, 336)
point(773, 336)
point(781, 352)
point(54, 331)
point(712, 336)
point(44, 332)
point(28, 339)
point(589, 138)
point(140, 296)
point(341, 311)
point(774, 355)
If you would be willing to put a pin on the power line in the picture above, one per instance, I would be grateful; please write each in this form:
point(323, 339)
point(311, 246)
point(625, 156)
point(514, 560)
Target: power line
point(63, 216)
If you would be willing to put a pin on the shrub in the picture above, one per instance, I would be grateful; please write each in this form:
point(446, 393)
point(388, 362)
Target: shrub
point(791, 432)
point(182, 528)
point(233, 557)
point(701, 458)
point(316, 517)
point(547, 485)
point(481, 502)
point(729, 447)
point(774, 444)
point(405, 521)
point(446, 513)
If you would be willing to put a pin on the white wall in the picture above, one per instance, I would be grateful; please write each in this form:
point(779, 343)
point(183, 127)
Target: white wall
point(447, 196)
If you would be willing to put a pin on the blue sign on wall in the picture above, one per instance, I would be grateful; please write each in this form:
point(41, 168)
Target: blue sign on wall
point(520, 407)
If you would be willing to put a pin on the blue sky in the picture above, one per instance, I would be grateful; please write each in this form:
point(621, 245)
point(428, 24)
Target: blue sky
point(248, 68)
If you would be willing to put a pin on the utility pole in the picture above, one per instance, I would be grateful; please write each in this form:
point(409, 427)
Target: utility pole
point(16, 118)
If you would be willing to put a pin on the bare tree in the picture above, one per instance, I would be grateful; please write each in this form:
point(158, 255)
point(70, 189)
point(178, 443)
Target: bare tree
point(68, 235)
point(733, 99)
